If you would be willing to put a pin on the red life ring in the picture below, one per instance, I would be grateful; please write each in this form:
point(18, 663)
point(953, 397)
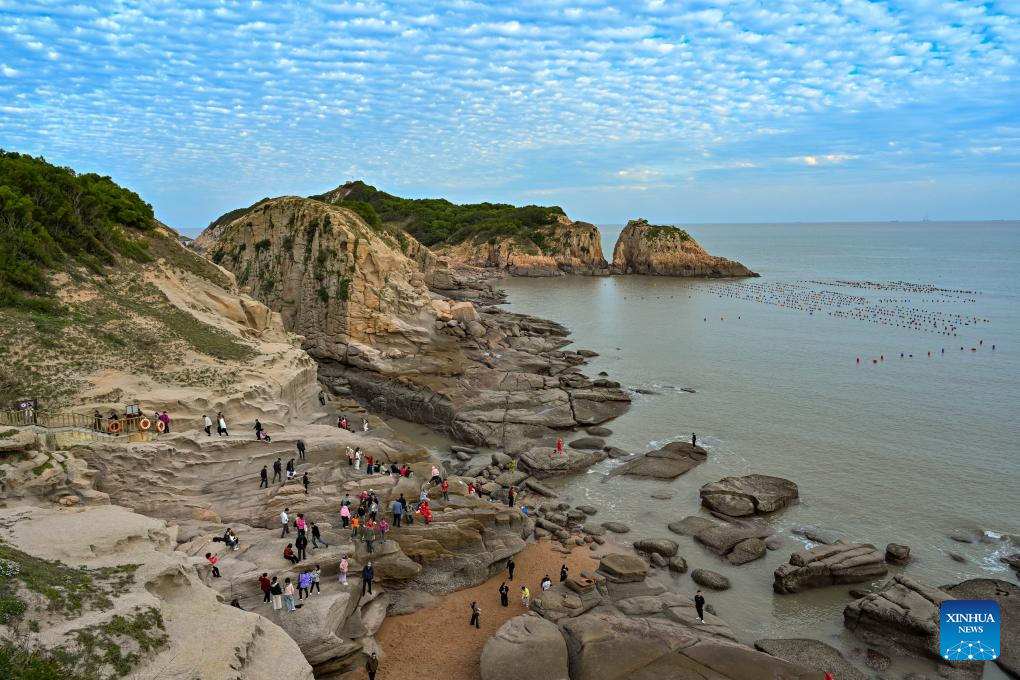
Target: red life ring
point(160, 426)
point(144, 424)
point(114, 426)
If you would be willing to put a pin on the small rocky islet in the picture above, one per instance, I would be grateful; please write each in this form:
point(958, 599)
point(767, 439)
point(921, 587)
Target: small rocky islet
point(299, 310)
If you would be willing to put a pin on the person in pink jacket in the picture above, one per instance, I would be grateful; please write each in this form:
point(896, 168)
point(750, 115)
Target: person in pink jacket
point(345, 516)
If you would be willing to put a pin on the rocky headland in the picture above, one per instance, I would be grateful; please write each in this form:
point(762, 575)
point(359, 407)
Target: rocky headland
point(649, 249)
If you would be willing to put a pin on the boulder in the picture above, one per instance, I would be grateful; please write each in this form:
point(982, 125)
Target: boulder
point(669, 462)
point(616, 527)
point(588, 509)
point(1008, 596)
point(897, 553)
point(817, 534)
point(827, 565)
point(545, 462)
point(677, 564)
point(660, 546)
point(748, 550)
point(691, 526)
point(743, 496)
point(598, 431)
point(588, 443)
point(710, 579)
point(593, 529)
point(902, 618)
point(623, 568)
point(526, 646)
point(811, 654)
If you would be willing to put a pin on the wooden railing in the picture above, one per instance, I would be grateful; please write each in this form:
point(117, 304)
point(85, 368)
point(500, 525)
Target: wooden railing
point(67, 420)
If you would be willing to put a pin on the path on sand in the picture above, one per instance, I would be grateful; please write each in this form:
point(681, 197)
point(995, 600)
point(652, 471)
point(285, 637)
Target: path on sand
point(437, 641)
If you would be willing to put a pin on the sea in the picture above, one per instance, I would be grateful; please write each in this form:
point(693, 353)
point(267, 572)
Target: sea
point(876, 365)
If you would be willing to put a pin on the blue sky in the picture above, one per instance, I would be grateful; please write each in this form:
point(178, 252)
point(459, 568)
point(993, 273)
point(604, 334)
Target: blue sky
point(704, 111)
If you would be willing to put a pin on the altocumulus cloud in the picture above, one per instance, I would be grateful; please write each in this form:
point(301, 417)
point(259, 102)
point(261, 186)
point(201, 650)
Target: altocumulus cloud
point(206, 104)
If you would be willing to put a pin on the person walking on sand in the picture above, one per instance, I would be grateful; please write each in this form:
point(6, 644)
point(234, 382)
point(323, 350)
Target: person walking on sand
point(525, 596)
point(276, 593)
point(344, 566)
point(476, 613)
point(264, 478)
point(278, 471)
point(213, 559)
point(285, 522)
point(288, 595)
point(699, 606)
point(372, 666)
point(317, 537)
point(221, 423)
point(504, 594)
point(694, 439)
point(265, 585)
point(367, 574)
point(300, 449)
point(207, 424)
point(510, 566)
point(563, 573)
point(304, 481)
point(258, 429)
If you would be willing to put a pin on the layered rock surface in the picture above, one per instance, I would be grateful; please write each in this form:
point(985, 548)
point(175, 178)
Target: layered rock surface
point(643, 248)
point(668, 462)
point(748, 495)
point(827, 565)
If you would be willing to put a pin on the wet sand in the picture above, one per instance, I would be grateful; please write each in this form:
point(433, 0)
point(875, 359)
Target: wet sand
point(437, 641)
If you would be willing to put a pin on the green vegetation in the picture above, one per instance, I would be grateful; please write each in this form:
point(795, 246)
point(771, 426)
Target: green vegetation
point(366, 212)
point(51, 217)
point(654, 232)
point(165, 247)
point(20, 663)
point(435, 221)
point(7, 434)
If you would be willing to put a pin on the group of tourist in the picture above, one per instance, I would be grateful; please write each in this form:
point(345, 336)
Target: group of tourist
point(343, 424)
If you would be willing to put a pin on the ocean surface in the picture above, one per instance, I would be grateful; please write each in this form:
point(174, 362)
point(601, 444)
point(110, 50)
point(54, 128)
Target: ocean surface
point(904, 450)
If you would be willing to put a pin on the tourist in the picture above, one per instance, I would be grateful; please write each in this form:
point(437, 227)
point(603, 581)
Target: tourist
point(316, 575)
point(369, 464)
point(436, 478)
point(563, 573)
point(164, 418)
point(446, 489)
point(278, 471)
point(471, 489)
point(367, 574)
point(345, 515)
point(266, 438)
point(265, 585)
point(511, 495)
point(699, 606)
point(300, 524)
point(384, 526)
point(373, 508)
point(213, 559)
point(301, 543)
point(322, 398)
point(372, 666)
point(546, 582)
point(398, 510)
point(276, 592)
point(475, 615)
point(364, 425)
point(258, 429)
point(290, 468)
point(344, 566)
point(288, 554)
point(357, 460)
point(207, 424)
point(694, 439)
point(221, 425)
point(368, 535)
point(304, 583)
point(559, 445)
point(288, 595)
point(285, 522)
point(350, 456)
point(301, 449)
point(304, 481)
point(525, 596)
point(510, 566)
point(231, 539)
point(355, 525)
point(504, 594)
point(317, 537)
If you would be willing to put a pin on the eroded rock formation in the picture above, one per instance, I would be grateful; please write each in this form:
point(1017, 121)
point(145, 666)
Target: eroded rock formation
point(643, 248)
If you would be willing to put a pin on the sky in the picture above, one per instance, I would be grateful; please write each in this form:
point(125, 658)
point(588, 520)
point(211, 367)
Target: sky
point(683, 112)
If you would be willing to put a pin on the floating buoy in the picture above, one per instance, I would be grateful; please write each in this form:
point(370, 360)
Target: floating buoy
point(874, 361)
point(858, 360)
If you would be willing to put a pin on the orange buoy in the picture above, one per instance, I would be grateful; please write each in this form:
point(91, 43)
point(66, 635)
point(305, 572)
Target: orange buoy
point(160, 425)
point(144, 424)
point(114, 426)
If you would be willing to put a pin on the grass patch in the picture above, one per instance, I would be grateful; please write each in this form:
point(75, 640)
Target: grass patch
point(168, 249)
point(43, 467)
point(7, 434)
point(655, 232)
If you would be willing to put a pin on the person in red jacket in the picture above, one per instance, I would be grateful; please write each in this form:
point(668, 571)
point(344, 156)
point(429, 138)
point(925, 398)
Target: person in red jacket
point(264, 584)
point(446, 489)
point(213, 559)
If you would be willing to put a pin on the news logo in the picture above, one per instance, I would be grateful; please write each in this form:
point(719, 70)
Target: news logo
point(969, 630)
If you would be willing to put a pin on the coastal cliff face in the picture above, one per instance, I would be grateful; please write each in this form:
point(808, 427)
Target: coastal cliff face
point(565, 247)
point(644, 248)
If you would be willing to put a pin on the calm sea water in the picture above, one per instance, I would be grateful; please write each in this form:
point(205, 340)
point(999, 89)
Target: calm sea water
point(904, 451)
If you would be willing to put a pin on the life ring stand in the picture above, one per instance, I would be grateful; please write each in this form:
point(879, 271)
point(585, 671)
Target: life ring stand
point(160, 426)
point(144, 424)
point(114, 426)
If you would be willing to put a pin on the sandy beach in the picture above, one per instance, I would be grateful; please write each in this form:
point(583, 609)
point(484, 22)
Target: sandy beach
point(422, 641)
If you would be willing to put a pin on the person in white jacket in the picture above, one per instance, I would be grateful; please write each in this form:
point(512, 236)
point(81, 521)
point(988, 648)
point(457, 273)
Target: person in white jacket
point(285, 522)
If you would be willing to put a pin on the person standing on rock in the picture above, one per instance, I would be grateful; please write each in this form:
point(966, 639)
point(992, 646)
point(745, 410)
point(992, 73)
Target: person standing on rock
point(563, 573)
point(510, 566)
point(355, 525)
point(546, 582)
point(258, 429)
point(345, 515)
point(525, 597)
point(322, 398)
point(285, 522)
point(476, 614)
point(694, 439)
point(504, 594)
point(384, 526)
point(276, 592)
point(364, 425)
point(699, 606)
point(301, 543)
point(368, 535)
point(164, 418)
point(265, 584)
point(221, 424)
point(317, 537)
point(288, 595)
point(278, 471)
point(207, 423)
point(344, 566)
point(357, 460)
point(511, 495)
point(367, 574)
point(213, 559)
point(559, 445)
point(264, 478)
point(304, 583)
point(372, 666)
point(436, 478)
point(300, 524)
point(446, 489)
point(304, 481)
point(301, 449)
point(398, 510)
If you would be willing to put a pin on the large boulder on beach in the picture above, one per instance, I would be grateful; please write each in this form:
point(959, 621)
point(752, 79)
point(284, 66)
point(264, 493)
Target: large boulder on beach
point(659, 546)
point(669, 462)
point(710, 579)
point(902, 618)
point(543, 461)
point(616, 527)
point(811, 654)
point(603, 645)
point(829, 565)
point(588, 443)
point(748, 495)
point(623, 568)
point(526, 646)
point(1008, 596)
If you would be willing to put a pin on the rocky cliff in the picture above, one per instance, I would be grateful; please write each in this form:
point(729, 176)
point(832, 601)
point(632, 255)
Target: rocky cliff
point(644, 248)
